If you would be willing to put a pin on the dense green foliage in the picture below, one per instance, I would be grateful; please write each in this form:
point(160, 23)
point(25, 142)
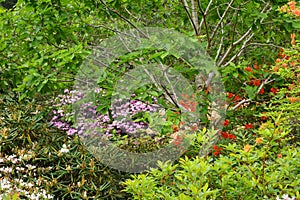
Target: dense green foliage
point(35, 153)
point(266, 170)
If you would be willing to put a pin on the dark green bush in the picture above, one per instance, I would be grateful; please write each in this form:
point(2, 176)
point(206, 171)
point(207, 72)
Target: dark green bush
point(58, 164)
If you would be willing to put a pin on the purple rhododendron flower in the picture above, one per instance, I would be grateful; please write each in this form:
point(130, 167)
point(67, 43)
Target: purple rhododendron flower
point(89, 120)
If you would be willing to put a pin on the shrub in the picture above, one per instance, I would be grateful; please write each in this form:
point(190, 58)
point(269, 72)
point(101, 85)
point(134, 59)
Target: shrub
point(264, 168)
point(287, 99)
point(38, 160)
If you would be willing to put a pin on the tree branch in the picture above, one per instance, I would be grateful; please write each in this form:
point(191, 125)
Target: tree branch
point(122, 17)
point(204, 14)
point(186, 7)
point(205, 24)
point(248, 34)
point(195, 16)
point(221, 20)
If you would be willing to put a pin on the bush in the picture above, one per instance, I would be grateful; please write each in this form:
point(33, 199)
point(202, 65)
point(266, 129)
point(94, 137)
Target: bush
point(39, 161)
point(263, 169)
point(257, 155)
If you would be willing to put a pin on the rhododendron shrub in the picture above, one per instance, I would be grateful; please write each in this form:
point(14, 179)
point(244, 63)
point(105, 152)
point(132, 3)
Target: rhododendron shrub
point(291, 8)
point(257, 154)
point(286, 102)
point(290, 16)
point(266, 168)
point(254, 90)
point(115, 124)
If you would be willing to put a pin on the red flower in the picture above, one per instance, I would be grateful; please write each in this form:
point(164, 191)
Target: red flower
point(224, 135)
point(249, 69)
point(263, 117)
point(230, 95)
point(256, 82)
point(292, 5)
point(185, 96)
point(231, 136)
point(248, 126)
point(215, 147)
point(226, 122)
point(281, 49)
point(217, 150)
point(175, 128)
point(280, 56)
point(262, 90)
point(237, 97)
point(274, 90)
point(194, 127)
point(188, 104)
point(257, 67)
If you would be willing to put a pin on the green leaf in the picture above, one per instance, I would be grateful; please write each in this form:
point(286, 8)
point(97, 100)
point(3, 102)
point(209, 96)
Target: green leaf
point(42, 85)
point(165, 54)
point(296, 24)
point(250, 91)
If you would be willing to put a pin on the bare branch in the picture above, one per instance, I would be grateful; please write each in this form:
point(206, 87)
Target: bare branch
point(239, 52)
point(205, 24)
point(243, 37)
point(121, 39)
point(159, 87)
point(122, 17)
point(170, 84)
point(195, 16)
point(263, 44)
point(248, 34)
point(186, 7)
point(221, 20)
point(204, 14)
point(222, 40)
point(240, 103)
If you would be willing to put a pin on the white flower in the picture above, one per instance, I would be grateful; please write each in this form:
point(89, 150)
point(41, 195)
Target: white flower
point(20, 168)
point(64, 149)
point(285, 197)
point(6, 170)
point(30, 167)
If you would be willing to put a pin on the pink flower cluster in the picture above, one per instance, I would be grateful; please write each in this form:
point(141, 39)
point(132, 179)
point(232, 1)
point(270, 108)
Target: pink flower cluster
point(87, 121)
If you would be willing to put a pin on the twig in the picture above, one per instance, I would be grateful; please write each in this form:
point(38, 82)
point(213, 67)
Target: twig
point(240, 51)
point(169, 82)
point(101, 26)
point(204, 15)
point(164, 91)
point(186, 7)
point(265, 82)
point(122, 40)
point(248, 34)
point(195, 16)
point(221, 20)
point(122, 17)
point(205, 24)
point(221, 42)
